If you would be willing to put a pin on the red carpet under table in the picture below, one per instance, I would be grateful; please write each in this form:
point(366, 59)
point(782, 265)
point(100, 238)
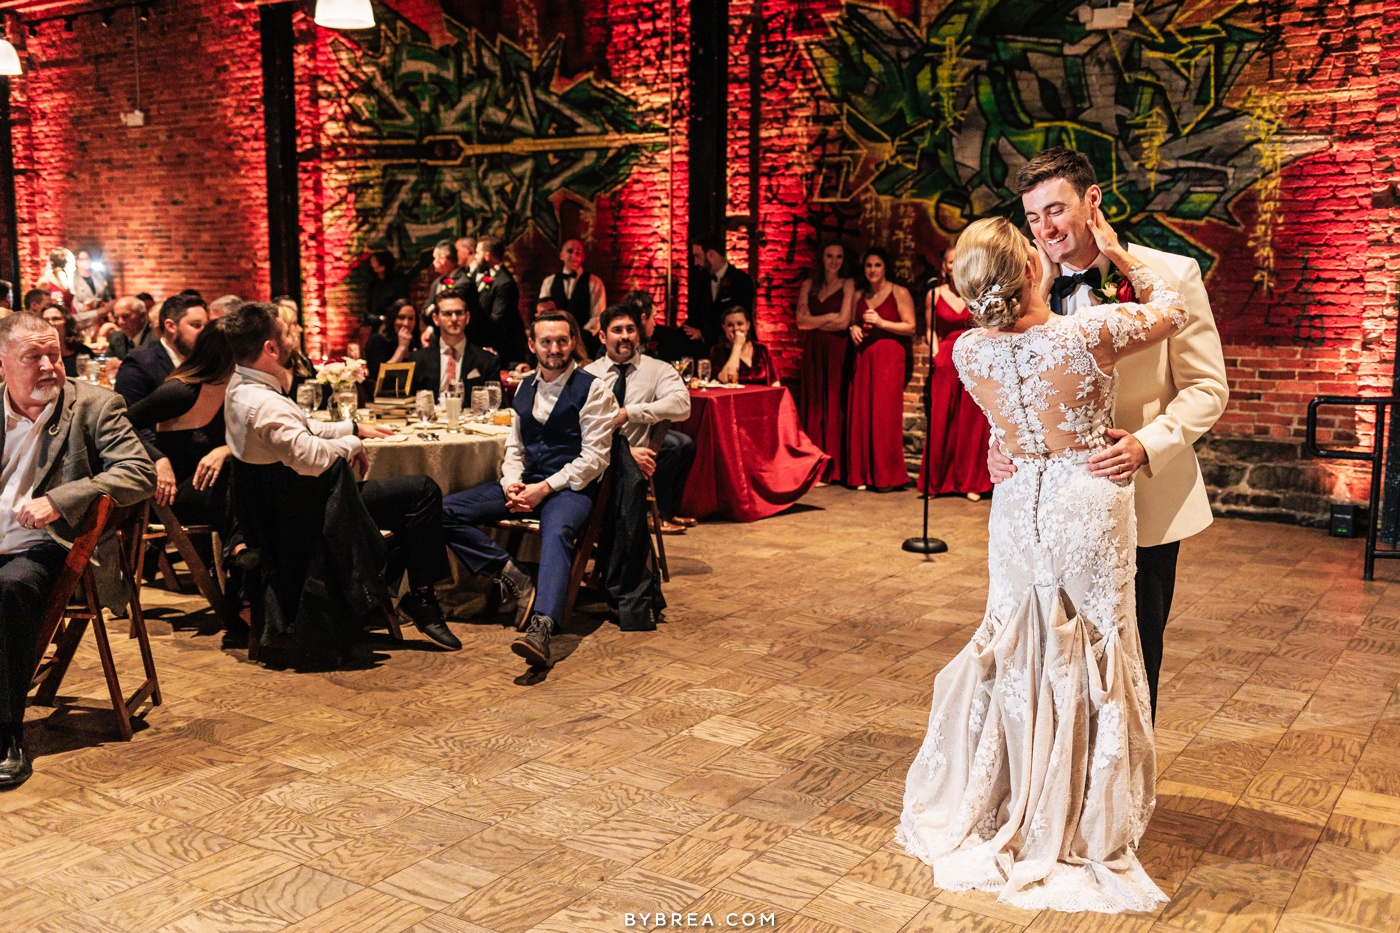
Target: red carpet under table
point(752, 459)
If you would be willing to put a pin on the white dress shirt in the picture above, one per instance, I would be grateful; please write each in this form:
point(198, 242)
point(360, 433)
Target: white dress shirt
point(595, 424)
point(171, 352)
point(264, 426)
point(1083, 296)
point(597, 294)
point(655, 392)
point(17, 479)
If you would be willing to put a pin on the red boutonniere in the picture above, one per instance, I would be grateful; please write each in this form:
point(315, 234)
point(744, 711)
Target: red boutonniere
point(1115, 290)
point(484, 282)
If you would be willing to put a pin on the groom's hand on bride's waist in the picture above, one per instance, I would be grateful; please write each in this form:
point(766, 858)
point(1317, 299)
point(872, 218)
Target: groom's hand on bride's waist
point(999, 465)
point(1122, 460)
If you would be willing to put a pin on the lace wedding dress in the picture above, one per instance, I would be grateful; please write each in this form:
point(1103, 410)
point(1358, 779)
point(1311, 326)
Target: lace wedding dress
point(1037, 776)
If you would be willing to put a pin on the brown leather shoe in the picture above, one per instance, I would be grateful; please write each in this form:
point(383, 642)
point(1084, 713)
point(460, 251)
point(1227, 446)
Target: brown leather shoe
point(533, 643)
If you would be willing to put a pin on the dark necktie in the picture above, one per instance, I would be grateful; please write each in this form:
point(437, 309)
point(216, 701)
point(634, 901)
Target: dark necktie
point(620, 387)
point(1066, 285)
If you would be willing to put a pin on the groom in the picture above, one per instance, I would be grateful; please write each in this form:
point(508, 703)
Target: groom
point(1168, 396)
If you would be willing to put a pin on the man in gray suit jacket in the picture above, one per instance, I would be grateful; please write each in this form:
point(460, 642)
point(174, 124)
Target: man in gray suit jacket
point(63, 443)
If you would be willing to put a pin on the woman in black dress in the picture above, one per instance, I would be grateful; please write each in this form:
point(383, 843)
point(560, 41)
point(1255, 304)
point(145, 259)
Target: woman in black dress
point(182, 423)
point(68, 338)
point(394, 341)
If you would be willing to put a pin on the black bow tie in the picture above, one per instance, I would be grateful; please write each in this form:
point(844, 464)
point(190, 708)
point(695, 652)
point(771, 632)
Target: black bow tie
point(1066, 285)
point(569, 275)
point(715, 277)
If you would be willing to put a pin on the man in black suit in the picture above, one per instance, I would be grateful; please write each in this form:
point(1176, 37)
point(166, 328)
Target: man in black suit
point(133, 328)
point(498, 326)
point(451, 356)
point(182, 317)
point(716, 286)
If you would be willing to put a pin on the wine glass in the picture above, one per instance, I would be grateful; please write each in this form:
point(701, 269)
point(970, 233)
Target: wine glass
point(685, 366)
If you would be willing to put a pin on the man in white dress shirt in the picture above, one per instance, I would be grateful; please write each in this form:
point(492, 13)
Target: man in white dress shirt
point(559, 445)
point(579, 292)
point(648, 391)
point(1167, 396)
point(264, 426)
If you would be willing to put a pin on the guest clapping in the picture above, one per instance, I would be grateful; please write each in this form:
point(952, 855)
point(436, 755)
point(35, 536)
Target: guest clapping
point(739, 359)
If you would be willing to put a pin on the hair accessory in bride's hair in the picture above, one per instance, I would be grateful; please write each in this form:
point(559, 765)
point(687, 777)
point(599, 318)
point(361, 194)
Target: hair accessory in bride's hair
point(990, 302)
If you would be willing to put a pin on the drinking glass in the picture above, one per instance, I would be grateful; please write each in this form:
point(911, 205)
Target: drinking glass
point(346, 401)
point(481, 404)
point(84, 366)
point(452, 401)
point(493, 395)
point(96, 369)
point(703, 370)
point(685, 365)
point(306, 397)
point(424, 408)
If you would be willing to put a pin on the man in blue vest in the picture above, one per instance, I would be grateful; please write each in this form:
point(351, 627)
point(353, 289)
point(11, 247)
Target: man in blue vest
point(558, 448)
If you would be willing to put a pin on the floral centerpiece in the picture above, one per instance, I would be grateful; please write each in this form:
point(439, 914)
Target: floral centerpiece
point(341, 377)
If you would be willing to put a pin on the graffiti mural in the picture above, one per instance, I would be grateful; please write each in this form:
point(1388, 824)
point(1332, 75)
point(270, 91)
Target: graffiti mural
point(947, 117)
point(478, 136)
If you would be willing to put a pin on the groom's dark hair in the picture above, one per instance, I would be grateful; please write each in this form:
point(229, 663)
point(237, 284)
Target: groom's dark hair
point(1056, 162)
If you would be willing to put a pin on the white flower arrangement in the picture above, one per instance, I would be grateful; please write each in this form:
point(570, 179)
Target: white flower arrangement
point(341, 374)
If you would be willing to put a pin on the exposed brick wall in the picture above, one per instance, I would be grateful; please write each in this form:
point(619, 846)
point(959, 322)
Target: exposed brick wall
point(178, 203)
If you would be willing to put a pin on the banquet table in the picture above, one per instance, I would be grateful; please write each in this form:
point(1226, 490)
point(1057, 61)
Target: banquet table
point(752, 459)
point(455, 461)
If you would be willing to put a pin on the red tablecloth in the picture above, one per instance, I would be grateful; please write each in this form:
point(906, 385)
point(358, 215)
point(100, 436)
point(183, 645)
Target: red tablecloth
point(751, 458)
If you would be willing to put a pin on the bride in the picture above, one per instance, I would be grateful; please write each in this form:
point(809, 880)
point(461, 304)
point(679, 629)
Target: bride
point(1037, 776)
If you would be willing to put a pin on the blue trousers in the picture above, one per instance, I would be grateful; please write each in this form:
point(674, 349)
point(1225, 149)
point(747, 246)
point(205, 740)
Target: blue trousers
point(562, 517)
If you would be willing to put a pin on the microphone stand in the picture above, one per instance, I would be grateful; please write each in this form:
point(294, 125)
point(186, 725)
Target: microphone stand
point(926, 545)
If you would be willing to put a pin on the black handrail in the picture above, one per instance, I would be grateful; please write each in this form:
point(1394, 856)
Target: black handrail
point(1376, 455)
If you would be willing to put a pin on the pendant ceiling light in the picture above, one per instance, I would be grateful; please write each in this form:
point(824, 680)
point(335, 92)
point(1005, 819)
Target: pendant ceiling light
point(9, 59)
point(344, 14)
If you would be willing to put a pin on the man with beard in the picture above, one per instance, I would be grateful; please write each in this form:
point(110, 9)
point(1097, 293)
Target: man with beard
point(265, 427)
point(63, 444)
point(182, 317)
point(498, 326)
point(558, 448)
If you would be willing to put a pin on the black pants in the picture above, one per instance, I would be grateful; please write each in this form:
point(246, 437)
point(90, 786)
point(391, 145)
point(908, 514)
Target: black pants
point(673, 465)
point(411, 508)
point(25, 581)
point(1155, 583)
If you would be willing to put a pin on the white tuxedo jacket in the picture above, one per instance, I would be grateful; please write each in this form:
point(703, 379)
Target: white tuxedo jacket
point(1168, 396)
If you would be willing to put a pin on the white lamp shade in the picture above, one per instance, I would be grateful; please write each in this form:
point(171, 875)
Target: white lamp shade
point(344, 14)
point(9, 59)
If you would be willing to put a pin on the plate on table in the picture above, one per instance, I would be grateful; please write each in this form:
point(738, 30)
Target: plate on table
point(490, 430)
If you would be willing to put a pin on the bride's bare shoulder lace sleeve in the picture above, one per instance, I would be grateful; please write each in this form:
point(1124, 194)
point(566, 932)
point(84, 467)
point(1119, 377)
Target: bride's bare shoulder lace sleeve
point(1116, 330)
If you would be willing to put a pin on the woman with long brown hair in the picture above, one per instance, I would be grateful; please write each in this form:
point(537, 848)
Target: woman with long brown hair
point(884, 322)
point(824, 305)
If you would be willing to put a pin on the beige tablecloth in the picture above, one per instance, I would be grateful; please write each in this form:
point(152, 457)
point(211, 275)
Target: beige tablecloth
point(455, 461)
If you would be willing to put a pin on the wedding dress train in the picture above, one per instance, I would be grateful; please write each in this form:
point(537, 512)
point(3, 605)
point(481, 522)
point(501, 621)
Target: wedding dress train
point(1036, 779)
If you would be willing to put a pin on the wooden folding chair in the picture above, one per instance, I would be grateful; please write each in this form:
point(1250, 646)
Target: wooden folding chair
point(584, 547)
point(63, 625)
point(658, 541)
point(210, 586)
point(394, 369)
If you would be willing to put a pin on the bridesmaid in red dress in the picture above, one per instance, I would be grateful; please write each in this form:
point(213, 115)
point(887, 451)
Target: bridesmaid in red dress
point(955, 451)
point(823, 314)
point(875, 403)
point(739, 360)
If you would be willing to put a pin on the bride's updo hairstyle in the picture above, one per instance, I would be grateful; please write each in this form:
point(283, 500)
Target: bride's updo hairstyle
point(989, 268)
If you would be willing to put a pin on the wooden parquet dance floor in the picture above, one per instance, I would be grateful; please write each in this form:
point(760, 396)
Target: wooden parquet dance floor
point(749, 757)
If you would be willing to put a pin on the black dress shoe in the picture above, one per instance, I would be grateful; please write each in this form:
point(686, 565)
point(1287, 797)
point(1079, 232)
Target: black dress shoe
point(15, 769)
point(426, 614)
point(236, 635)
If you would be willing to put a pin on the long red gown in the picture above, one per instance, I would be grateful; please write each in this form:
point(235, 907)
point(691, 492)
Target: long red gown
point(875, 406)
point(823, 383)
point(955, 453)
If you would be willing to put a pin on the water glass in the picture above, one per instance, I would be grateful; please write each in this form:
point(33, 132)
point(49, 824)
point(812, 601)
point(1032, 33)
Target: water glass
point(424, 408)
point(94, 371)
point(306, 397)
point(346, 401)
point(493, 395)
point(703, 370)
point(84, 366)
point(452, 401)
point(481, 404)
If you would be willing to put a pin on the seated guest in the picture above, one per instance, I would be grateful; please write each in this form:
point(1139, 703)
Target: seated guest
point(451, 356)
point(387, 287)
point(659, 341)
point(265, 427)
point(81, 435)
point(577, 291)
point(70, 342)
point(558, 448)
point(36, 300)
point(395, 340)
point(132, 331)
point(182, 317)
point(497, 325)
point(300, 364)
point(221, 306)
point(740, 360)
point(650, 391)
